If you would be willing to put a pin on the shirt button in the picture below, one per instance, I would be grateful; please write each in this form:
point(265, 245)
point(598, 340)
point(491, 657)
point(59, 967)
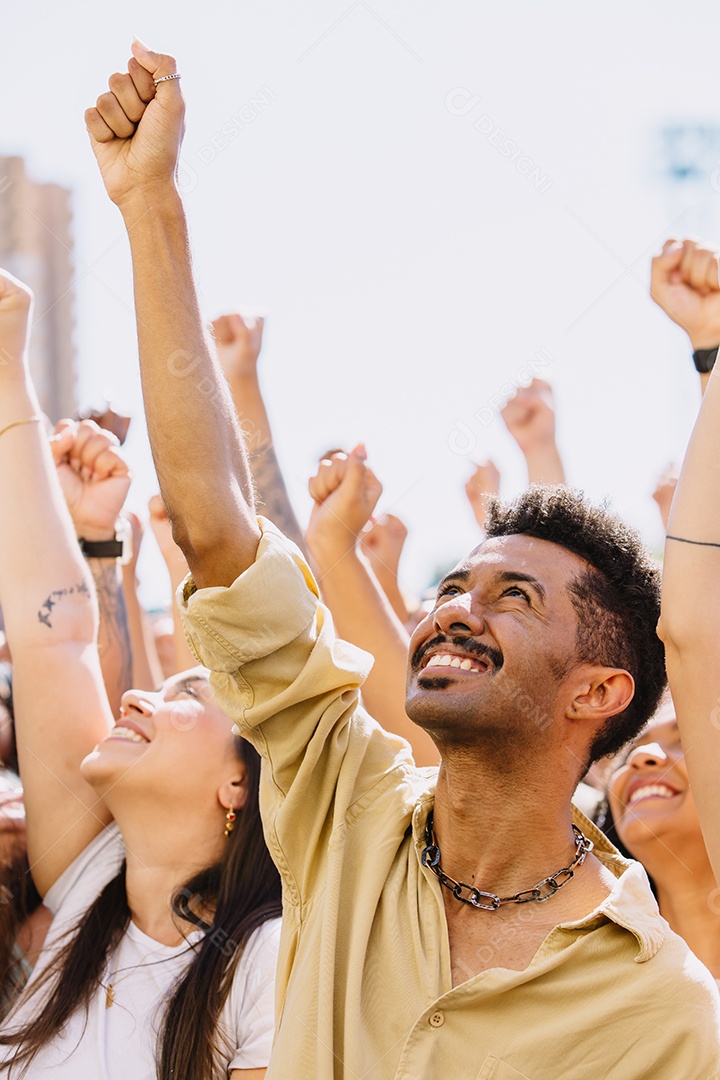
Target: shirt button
point(437, 1019)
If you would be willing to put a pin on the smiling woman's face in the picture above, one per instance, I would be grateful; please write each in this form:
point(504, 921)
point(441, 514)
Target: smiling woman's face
point(649, 794)
point(172, 746)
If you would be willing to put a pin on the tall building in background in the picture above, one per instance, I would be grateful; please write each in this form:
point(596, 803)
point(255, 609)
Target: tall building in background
point(36, 246)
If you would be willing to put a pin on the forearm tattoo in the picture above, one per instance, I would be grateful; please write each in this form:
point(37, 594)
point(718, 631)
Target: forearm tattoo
point(55, 597)
point(273, 496)
point(114, 645)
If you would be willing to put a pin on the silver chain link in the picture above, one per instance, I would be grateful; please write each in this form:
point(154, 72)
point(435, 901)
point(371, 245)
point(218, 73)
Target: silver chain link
point(468, 894)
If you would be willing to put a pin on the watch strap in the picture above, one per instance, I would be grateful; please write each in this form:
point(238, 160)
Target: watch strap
point(704, 359)
point(101, 549)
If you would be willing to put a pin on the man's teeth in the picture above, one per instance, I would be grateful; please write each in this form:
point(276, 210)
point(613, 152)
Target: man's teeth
point(651, 791)
point(126, 733)
point(446, 660)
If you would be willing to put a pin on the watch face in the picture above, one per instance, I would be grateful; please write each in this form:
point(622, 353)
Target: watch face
point(704, 360)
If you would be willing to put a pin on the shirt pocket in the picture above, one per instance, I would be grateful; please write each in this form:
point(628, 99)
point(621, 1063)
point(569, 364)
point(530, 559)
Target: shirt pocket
point(495, 1069)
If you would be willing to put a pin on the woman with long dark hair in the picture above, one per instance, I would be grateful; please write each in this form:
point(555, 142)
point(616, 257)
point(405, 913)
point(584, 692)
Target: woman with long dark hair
point(143, 836)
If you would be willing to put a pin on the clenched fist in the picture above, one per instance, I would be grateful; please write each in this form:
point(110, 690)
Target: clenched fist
point(529, 416)
point(238, 339)
point(684, 283)
point(136, 128)
point(94, 477)
point(345, 493)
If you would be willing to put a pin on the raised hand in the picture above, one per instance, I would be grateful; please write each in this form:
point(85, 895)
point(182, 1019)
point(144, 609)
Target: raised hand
point(665, 490)
point(15, 307)
point(162, 531)
point(383, 540)
point(136, 128)
point(483, 483)
point(345, 493)
point(238, 339)
point(529, 416)
point(684, 283)
point(94, 477)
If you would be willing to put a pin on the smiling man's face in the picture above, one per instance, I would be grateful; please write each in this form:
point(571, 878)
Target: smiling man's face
point(492, 655)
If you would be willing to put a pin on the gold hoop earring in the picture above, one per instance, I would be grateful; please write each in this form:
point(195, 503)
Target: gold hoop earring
point(230, 821)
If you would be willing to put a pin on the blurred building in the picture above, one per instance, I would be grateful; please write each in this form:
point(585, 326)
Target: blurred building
point(688, 163)
point(36, 246)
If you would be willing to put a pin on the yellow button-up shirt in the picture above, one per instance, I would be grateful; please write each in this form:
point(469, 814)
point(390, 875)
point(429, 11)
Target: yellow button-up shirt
point(364, 989)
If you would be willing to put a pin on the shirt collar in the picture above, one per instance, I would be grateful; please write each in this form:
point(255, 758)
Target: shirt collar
point(630, 904)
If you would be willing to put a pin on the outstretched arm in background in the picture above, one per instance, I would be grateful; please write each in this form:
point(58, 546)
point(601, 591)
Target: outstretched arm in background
point(238, 342)
point(177, 570)
point(664, 491)
point(382, 544)
point(690, 618)
point(482, 485)
point(48, 601)
point(345, 493)
point(529, 416)
point(146, 669)
point(136, 133)
point(95, 481)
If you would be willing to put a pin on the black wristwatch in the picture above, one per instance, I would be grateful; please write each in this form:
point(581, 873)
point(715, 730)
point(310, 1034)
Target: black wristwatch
point(101, 549)
point(704, 359)
point(118, 548)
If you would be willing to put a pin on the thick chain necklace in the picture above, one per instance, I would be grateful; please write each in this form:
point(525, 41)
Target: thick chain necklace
point(487, 901)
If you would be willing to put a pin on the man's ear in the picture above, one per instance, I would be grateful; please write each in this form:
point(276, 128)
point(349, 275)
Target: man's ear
point(232, 793)
point(601, 693)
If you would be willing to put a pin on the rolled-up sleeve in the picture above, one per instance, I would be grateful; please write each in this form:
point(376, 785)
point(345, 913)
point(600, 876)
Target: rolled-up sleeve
point(292, 688)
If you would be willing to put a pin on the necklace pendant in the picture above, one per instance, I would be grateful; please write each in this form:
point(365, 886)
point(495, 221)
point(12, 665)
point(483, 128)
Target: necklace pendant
point(109, 996)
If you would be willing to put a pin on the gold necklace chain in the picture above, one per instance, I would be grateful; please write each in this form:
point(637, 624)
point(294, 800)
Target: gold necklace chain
point(111, 986)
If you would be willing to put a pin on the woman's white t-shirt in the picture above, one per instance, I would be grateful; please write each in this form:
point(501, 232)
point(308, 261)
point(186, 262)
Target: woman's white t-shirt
point(120, 1042)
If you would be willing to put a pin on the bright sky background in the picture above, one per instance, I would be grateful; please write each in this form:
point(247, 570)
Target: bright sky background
point(407, 269)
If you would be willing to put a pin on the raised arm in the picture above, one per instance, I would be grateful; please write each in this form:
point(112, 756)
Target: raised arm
point(684, 283)
point(136, 133)
point(239, 341)
point(529, 416)
point(382, 544)
point(146, 669)
point(345, 492)
point(482, 485)
point(95, 481)
point(177, 570)
point(690, 615)
point(48, 601)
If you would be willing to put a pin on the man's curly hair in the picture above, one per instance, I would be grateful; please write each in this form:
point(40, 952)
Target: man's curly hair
point(617, 601)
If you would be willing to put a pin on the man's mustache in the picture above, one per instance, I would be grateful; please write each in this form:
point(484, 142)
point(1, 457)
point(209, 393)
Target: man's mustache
point(467, 644)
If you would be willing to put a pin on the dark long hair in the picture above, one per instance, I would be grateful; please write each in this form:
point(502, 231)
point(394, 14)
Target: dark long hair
point(18, 899)
point(242, 890)
point(605, 821)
